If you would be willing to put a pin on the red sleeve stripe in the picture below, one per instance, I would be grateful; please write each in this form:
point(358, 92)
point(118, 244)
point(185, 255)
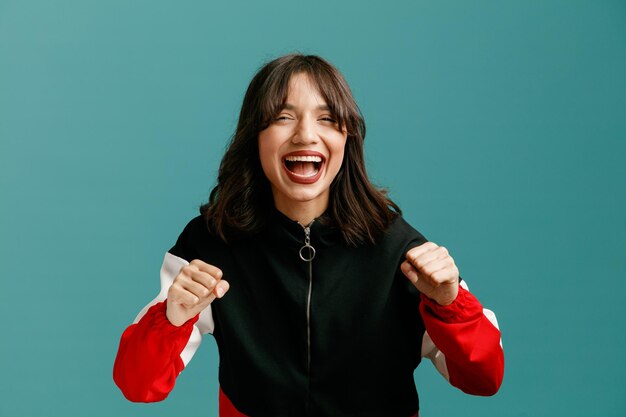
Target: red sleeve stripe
point(148, 359)
point(227, 409)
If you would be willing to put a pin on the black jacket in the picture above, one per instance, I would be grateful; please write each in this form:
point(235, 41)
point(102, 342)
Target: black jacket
point(338, 336)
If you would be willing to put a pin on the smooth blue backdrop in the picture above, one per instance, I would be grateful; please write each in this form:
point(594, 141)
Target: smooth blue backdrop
point(498, 126)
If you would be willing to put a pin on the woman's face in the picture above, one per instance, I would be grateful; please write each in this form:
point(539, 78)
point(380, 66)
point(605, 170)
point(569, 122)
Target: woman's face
point(301, 151)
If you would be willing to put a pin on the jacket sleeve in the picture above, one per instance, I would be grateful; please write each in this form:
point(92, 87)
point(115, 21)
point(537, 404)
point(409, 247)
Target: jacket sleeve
point(463, 342)
point(152, 351)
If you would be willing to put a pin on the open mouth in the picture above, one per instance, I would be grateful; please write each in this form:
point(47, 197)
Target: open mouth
point(303, 166)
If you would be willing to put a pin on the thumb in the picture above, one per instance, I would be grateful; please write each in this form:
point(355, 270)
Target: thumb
point(220, 289)
point(410, 272)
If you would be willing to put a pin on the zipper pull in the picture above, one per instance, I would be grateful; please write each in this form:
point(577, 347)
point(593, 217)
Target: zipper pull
point(307, 252)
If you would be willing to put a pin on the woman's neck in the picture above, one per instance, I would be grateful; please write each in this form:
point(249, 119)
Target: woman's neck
point(302, 212)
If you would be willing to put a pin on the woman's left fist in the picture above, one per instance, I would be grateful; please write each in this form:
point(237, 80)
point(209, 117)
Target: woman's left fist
point(433, 272)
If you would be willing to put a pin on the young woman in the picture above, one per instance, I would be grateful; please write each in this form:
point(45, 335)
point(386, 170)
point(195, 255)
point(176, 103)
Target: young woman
point(321, 298)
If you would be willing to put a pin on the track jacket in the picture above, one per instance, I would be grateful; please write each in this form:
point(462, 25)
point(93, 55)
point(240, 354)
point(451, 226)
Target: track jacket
point(337, 335)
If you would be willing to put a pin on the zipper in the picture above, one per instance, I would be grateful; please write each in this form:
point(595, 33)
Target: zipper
point(307, 253)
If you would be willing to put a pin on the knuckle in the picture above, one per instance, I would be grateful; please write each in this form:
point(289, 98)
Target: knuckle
point(428, 271)
point(174, 295)
point(447, 275)
point(187, 270)
point(433, 282)
point(438, 275)
point(203, 291)
point(418, 263)
point(180, 279)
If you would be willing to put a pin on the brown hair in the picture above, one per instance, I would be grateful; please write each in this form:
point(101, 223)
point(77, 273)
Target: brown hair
point(242, 200)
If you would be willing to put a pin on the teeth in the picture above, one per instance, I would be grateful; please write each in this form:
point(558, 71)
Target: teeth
point(303, 159)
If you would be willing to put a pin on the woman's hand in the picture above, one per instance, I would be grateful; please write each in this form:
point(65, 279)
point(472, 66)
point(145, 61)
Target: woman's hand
point(433, 272)
point(193, 289)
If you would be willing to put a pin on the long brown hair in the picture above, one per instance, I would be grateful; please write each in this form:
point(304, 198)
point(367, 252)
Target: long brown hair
point(242, 200)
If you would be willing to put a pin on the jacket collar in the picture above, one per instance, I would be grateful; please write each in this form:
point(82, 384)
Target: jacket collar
point(322, 231)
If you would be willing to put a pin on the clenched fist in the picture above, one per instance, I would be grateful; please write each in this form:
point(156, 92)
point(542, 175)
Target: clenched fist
point(193, 289)
point(433, 272)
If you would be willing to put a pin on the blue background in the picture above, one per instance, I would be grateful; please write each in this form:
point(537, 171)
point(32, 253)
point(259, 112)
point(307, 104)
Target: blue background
point(498, 126)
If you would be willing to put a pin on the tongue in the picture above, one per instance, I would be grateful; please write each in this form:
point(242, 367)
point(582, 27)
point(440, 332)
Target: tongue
point(303, 168)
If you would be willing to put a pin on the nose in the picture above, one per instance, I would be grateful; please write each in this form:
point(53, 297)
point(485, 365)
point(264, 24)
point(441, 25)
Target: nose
point(305, 133)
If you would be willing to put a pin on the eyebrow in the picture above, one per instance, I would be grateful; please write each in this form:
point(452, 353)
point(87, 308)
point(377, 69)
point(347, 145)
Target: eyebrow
point(288, 106)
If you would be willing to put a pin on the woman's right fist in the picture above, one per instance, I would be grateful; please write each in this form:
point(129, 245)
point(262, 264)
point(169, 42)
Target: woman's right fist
point(193, 289)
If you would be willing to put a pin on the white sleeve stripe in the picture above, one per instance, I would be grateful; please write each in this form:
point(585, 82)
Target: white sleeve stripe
point(491, 316)
point(430, 351)
point(192, 346)
point(171, 267)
